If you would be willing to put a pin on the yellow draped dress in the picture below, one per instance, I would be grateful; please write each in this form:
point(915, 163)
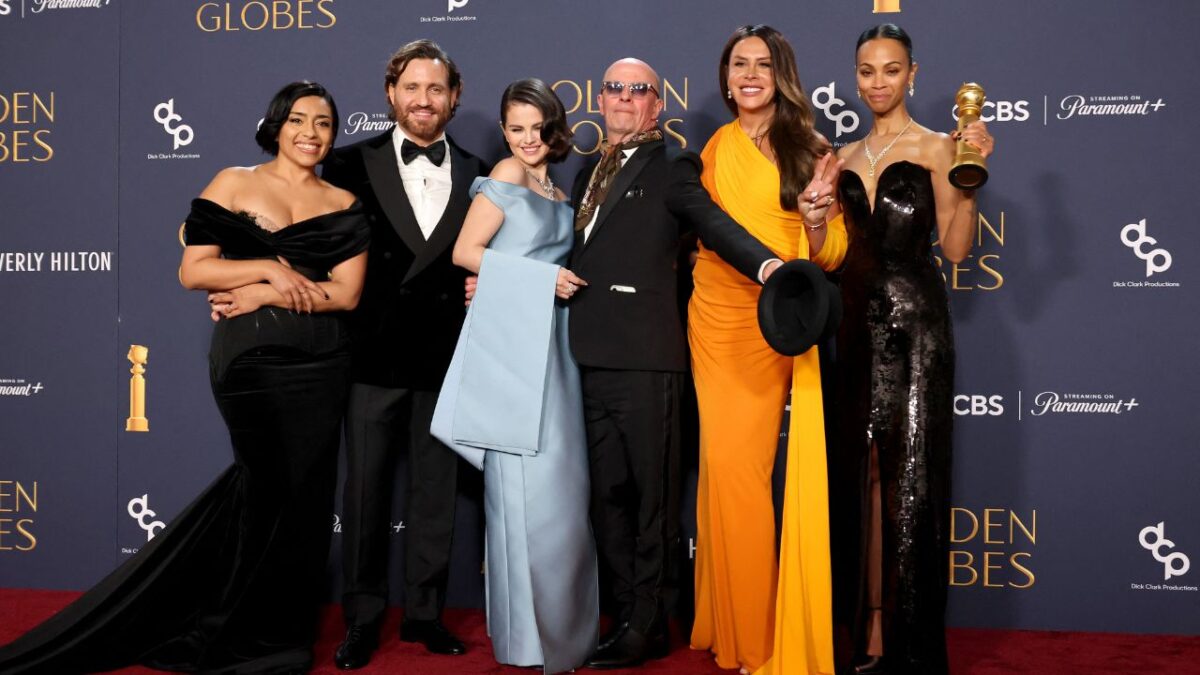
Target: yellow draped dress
point(750, 612)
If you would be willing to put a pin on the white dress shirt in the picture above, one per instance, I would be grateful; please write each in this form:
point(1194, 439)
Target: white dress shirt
point(427, 185)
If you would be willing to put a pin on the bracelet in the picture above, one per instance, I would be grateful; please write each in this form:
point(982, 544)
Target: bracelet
point(814, 228)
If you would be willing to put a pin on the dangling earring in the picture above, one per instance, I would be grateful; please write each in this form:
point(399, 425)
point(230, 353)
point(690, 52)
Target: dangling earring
point(860, 96)
point(911, 89)
point(728, 93)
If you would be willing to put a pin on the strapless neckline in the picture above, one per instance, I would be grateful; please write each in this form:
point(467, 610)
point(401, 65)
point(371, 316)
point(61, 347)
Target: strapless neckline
point(531, 192)
point(246, 218)
point(871, 201)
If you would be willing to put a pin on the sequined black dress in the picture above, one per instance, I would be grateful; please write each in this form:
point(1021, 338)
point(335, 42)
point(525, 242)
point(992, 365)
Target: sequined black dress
point(233, 584)
point(895, 380)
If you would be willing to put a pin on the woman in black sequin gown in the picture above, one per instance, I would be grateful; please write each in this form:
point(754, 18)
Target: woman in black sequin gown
point(233, 584)
point(890, 472)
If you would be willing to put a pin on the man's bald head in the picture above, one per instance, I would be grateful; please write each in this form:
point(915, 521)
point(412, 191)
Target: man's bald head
point(626, 113)
point(630, 65)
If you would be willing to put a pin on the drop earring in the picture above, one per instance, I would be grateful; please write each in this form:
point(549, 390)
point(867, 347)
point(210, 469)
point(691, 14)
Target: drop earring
point(728, 93)
point(860, 96)
point(911, 89)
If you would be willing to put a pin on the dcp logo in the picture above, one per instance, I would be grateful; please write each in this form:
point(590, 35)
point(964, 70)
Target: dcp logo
point(452, 5)
point(1160, 542)
point(825, 99)
point(164, 114)
point(139, 510)
point(978, 404)
point(1138, 245)
point(1000, 111)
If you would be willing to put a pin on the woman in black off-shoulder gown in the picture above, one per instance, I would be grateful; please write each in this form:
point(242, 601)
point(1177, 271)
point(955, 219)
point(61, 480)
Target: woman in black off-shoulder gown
point(234, 583)
point(890, 470)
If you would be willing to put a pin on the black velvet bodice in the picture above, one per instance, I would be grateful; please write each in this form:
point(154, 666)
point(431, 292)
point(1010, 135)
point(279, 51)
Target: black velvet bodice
point(312, 247)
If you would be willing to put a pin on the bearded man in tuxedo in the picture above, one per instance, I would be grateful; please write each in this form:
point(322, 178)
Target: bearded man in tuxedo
point(413, 182)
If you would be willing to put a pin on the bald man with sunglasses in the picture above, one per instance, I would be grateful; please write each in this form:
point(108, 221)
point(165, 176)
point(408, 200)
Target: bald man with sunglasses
point(632, 208)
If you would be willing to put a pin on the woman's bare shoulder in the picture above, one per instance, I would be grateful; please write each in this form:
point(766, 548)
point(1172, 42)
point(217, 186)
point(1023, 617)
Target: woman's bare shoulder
point(227, 184)
point(509, 170)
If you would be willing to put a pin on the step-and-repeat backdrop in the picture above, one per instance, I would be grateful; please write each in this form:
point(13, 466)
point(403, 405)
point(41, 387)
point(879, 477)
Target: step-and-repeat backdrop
point(1076, 452)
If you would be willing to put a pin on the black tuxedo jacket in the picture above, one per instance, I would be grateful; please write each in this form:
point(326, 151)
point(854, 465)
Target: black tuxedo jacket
point(628, 316)
point(411, 311)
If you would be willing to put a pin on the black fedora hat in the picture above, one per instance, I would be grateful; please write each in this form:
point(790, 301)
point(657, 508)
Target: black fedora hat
point(798, 308)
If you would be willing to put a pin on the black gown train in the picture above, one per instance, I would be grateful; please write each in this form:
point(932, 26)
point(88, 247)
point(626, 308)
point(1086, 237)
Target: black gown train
point(234, 583)
point(895, 391)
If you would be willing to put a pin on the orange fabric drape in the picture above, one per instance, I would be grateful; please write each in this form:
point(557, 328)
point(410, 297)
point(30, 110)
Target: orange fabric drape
point(752, 609)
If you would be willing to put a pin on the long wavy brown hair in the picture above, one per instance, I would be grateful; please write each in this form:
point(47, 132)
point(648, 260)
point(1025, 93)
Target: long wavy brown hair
point(796, 145)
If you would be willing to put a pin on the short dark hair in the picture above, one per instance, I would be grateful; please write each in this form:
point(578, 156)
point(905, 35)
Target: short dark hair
point(280, 107)
point(420, 49)
point(886, 31)
point(556, 134)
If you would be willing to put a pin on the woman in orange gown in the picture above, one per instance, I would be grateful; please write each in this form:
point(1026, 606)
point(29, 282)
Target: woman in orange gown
point(771, 172)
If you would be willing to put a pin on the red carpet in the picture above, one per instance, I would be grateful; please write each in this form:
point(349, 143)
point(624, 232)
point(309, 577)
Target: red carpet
point(972, 651)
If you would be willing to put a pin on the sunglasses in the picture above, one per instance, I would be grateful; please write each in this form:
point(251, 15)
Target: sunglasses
point(636, 89)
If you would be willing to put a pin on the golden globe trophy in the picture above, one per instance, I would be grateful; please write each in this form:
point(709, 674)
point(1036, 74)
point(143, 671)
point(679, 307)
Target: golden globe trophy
point(137, 389)
point(970, 168)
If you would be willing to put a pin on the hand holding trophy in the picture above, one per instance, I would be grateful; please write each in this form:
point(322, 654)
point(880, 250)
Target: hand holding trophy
point(969, 170)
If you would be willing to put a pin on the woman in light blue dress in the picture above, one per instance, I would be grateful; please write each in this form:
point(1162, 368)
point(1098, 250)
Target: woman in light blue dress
point(511, 403)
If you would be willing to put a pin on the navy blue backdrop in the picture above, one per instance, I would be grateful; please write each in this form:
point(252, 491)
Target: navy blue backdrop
point(1075, 456)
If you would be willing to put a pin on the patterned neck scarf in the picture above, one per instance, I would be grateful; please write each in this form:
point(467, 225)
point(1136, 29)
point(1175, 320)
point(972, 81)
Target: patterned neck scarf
point(606, 170)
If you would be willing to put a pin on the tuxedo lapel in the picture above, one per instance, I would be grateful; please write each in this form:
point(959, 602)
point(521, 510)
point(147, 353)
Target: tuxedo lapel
point(384, 175)
point(445, 233)
point(621, 182)
point(581, 182)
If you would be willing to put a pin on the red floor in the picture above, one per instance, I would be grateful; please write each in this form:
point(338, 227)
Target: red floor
point(972, 652)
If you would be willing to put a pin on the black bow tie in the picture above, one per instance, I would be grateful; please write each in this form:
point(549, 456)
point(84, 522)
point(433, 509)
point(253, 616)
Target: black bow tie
point(436, 152)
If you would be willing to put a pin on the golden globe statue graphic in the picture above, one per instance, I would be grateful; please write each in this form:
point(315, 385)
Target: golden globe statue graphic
point(137, 389)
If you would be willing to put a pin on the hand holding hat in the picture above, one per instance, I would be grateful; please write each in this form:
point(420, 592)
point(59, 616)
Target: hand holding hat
point(798, 308)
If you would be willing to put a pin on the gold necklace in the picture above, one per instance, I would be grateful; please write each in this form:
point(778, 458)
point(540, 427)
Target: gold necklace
point(757, 138)
point(872, 160)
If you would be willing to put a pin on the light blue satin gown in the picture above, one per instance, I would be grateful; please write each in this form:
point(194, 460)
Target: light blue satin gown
point(511, 405)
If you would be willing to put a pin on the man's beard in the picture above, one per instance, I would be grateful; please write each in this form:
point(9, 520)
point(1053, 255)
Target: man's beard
point(421, 129)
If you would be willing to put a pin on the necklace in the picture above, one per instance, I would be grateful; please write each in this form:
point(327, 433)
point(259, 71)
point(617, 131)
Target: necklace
point(547, 185)
point(872, 160)
point(756, 139)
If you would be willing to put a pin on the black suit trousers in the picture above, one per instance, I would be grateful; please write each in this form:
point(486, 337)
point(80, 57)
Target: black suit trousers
point(382, 422)
point(633, 433)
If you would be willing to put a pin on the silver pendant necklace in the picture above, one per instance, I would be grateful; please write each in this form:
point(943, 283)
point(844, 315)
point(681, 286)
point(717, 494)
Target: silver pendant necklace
point(547, 186)
point(872, 160)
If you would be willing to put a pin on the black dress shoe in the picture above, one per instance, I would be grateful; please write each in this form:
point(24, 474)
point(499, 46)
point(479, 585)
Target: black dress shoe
point(873, 665)
point(611, 636)
point(355, 651)
point(631, 648)
point(433, 635)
